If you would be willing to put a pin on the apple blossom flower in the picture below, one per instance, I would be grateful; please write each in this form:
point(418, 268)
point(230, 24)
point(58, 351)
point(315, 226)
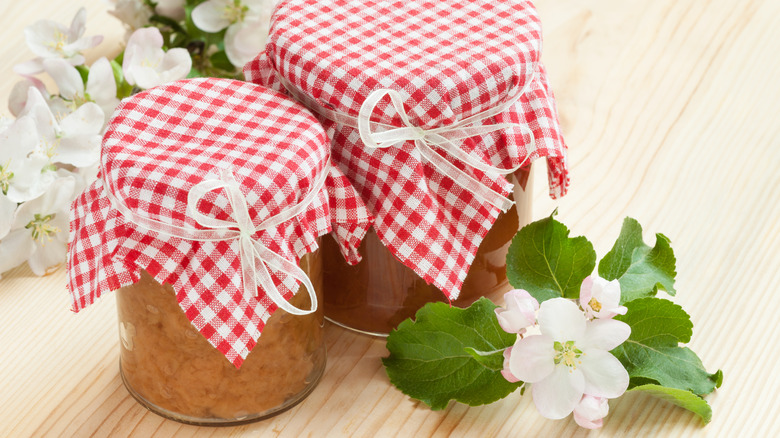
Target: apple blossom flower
point(135, 14)
point(24, 173)
point(100, 87)
point(73, 139)
point(147, 65)
point(49, 39)
point(600, 298)
point(569, 358)
point(173, 9)
point(590, 411)
point(247, 23)
point(520, 311)
point(39, 233)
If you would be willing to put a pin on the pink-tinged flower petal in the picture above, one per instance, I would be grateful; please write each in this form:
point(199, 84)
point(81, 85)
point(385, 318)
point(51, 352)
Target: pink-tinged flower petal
point(586, 291)
point(78, 25)
point(18, 98)
point(520, 311)
point(176, 64)
point(561, 320)
point(84, 44)
point(556, 396)
point(590, 411)
point(243, 41)
point(532, 358)
point(507, 372)
point(604, 334)
point(210, 17)
point(605, 376)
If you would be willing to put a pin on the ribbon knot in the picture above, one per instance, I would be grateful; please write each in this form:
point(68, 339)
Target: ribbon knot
point(255, 256)
point(443, 138)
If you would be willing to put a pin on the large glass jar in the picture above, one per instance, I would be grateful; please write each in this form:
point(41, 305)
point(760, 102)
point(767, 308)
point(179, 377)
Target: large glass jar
point(375, 295)
point(172, 369)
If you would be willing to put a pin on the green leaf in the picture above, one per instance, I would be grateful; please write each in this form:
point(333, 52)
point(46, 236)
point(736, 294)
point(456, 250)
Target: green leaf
point(83, 72)
point(221, 61)
point(546, 262)
point(169, 22)
point(123, 89)
point(653, 352)
point(493, 360)
point(641, 270)
point(429, 360)
point(683, 399)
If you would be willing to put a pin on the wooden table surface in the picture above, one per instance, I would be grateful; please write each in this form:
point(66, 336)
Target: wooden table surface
point(671, 112)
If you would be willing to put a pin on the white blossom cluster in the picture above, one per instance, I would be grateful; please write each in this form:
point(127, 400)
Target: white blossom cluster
point(50, 146)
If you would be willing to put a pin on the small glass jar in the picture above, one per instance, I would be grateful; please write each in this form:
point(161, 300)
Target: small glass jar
point(172, 369)
point(375, 295)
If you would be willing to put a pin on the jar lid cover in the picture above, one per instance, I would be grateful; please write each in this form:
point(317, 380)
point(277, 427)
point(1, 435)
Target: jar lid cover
point(200, 179)
point(452, 97)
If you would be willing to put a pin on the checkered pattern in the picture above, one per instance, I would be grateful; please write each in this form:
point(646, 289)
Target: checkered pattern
point(450, 59)
point(162, 142)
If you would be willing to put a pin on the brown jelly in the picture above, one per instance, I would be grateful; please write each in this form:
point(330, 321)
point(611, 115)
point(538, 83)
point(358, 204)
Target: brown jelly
point(173, 370)
point(378, 293)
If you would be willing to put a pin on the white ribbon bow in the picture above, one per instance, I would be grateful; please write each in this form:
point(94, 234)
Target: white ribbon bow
point(424, 139)
point(255, 257)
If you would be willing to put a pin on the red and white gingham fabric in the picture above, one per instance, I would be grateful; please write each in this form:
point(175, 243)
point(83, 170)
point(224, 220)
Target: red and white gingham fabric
point(162, 142)
point(449, 59)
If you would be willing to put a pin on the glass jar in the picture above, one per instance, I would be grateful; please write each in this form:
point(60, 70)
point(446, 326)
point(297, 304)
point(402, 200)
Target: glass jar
point(172, 369)
point(375, 295)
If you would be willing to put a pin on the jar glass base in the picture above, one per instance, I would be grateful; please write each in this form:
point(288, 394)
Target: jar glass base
point(313, 381)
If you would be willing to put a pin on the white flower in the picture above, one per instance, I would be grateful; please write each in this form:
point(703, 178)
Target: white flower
point(520, 311)
point(133, 13)
point(100, 88)
point(247, 23)
point(170, 8)
point(74, 139)
point(23, 166)
point(39, 233)
point(601, 298)
point(147, 65)
point(49, 39)
point(590, 411)
point(569, 358)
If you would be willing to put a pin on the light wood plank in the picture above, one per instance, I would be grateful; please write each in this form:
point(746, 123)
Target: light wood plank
point(670, 109)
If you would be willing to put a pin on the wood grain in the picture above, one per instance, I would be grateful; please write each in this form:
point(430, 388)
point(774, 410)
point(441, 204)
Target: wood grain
point(670, 109)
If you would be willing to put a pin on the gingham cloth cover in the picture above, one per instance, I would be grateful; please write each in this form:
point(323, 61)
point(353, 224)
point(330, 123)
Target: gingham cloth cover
point(162, 142)
point(449, 59)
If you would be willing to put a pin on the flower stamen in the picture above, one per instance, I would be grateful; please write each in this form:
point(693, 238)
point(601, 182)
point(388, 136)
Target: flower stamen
point(236, 12)
point(42, 231)
point(568, 354)
point(5, 177)
point(595, 305)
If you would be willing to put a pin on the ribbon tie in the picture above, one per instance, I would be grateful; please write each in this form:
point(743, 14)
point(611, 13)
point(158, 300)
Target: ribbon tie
point(444, 137)
point(255, 257)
